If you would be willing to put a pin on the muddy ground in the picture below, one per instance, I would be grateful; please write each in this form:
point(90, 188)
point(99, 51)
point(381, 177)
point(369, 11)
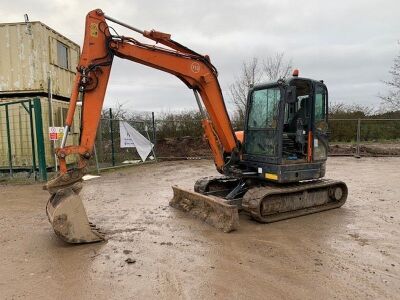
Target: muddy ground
point(351, 252)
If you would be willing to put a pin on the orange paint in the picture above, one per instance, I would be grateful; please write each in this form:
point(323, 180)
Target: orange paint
point(193, 69)
point(239, 135)
point(309, 146)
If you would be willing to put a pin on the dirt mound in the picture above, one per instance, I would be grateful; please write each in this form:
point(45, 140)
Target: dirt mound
point(182, 147)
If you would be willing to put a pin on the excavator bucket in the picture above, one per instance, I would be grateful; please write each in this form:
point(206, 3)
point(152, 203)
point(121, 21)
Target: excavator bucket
point(68, 217)
point(210, 209)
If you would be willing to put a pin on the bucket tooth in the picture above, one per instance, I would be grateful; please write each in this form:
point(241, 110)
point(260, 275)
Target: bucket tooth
point(212, 210)
point(68, 217)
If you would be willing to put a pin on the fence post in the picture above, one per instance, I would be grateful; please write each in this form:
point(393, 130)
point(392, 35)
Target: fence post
point(51, 121)
point(99, 141)
point(9, 141)
point(32, 139)
point(40, 139)
point(112, 139)
point(97, 159)
point(358, 138)
point(153, 121)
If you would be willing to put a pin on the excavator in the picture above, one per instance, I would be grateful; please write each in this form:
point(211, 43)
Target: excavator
point(272, 170)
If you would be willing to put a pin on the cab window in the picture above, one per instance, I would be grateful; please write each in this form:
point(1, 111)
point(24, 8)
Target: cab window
point(320, 104)
point(264, 108)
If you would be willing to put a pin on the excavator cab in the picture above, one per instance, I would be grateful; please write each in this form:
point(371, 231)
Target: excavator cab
point(285, 136)
point(283, 157)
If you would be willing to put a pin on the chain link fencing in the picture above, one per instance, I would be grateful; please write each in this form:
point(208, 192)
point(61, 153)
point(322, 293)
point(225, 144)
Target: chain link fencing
point(177, 139)
point(172, 138)
point(364, 137)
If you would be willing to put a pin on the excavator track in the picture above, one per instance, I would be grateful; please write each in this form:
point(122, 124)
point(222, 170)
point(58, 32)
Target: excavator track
point(271, 203)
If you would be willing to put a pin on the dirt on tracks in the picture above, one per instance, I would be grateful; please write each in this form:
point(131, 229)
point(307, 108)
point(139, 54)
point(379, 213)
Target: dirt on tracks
point(155, 251)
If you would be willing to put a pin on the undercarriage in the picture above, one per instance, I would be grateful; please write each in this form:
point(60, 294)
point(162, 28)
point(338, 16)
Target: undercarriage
point(218, 200)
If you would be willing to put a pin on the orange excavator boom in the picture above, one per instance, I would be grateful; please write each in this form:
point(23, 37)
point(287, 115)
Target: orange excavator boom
point(195, 70)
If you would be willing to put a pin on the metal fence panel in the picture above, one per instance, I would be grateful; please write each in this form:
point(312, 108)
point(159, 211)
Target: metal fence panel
point(21, 137)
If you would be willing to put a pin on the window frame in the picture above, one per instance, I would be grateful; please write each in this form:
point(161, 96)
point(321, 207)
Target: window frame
point(324, 103)
point(257, 157)
point(67, 55)
point(276, 115)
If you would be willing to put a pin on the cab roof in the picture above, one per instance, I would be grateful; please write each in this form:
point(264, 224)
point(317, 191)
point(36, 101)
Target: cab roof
point(286, 81)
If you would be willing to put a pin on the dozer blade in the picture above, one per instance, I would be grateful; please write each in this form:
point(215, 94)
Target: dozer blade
point(68, 217)
point(212, 210)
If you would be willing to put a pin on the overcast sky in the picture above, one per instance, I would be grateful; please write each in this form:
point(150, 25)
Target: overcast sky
point(349, 44)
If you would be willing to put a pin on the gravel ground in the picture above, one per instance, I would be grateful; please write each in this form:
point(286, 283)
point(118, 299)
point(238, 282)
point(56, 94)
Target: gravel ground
point(154, 251)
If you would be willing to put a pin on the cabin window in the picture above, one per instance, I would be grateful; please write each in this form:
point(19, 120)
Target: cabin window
point(319, 111)
point(262, 122)
point(264, 108)
point(62, 55)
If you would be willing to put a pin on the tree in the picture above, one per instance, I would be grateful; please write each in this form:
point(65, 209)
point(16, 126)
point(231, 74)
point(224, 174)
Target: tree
point(392, 99)
point(119, 111)
point(272, 68)
point(251, 73)
point(339, 110)
point(275, 67)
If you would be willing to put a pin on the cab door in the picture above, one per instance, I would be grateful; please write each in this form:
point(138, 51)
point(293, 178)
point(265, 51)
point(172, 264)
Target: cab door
point(320, 122)
point(262, 124)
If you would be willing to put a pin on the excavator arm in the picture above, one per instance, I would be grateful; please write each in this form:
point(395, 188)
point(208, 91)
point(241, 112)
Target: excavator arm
point(99, 49)
point(65, 208)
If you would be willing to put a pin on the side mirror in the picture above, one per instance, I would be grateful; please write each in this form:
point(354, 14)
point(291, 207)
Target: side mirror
point(290, 95)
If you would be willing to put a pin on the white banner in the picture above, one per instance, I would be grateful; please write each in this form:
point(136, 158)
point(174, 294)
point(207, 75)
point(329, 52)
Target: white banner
point(131, 138)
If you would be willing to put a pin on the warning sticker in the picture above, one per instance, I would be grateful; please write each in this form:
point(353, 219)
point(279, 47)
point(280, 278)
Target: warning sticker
point(94, 30)
point(56, 133)
point(315, 143)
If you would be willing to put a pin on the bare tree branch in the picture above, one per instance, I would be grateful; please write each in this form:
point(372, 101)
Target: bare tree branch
point(251, 74)
point(275, 67)
point(272, 68)
point(392, 99)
